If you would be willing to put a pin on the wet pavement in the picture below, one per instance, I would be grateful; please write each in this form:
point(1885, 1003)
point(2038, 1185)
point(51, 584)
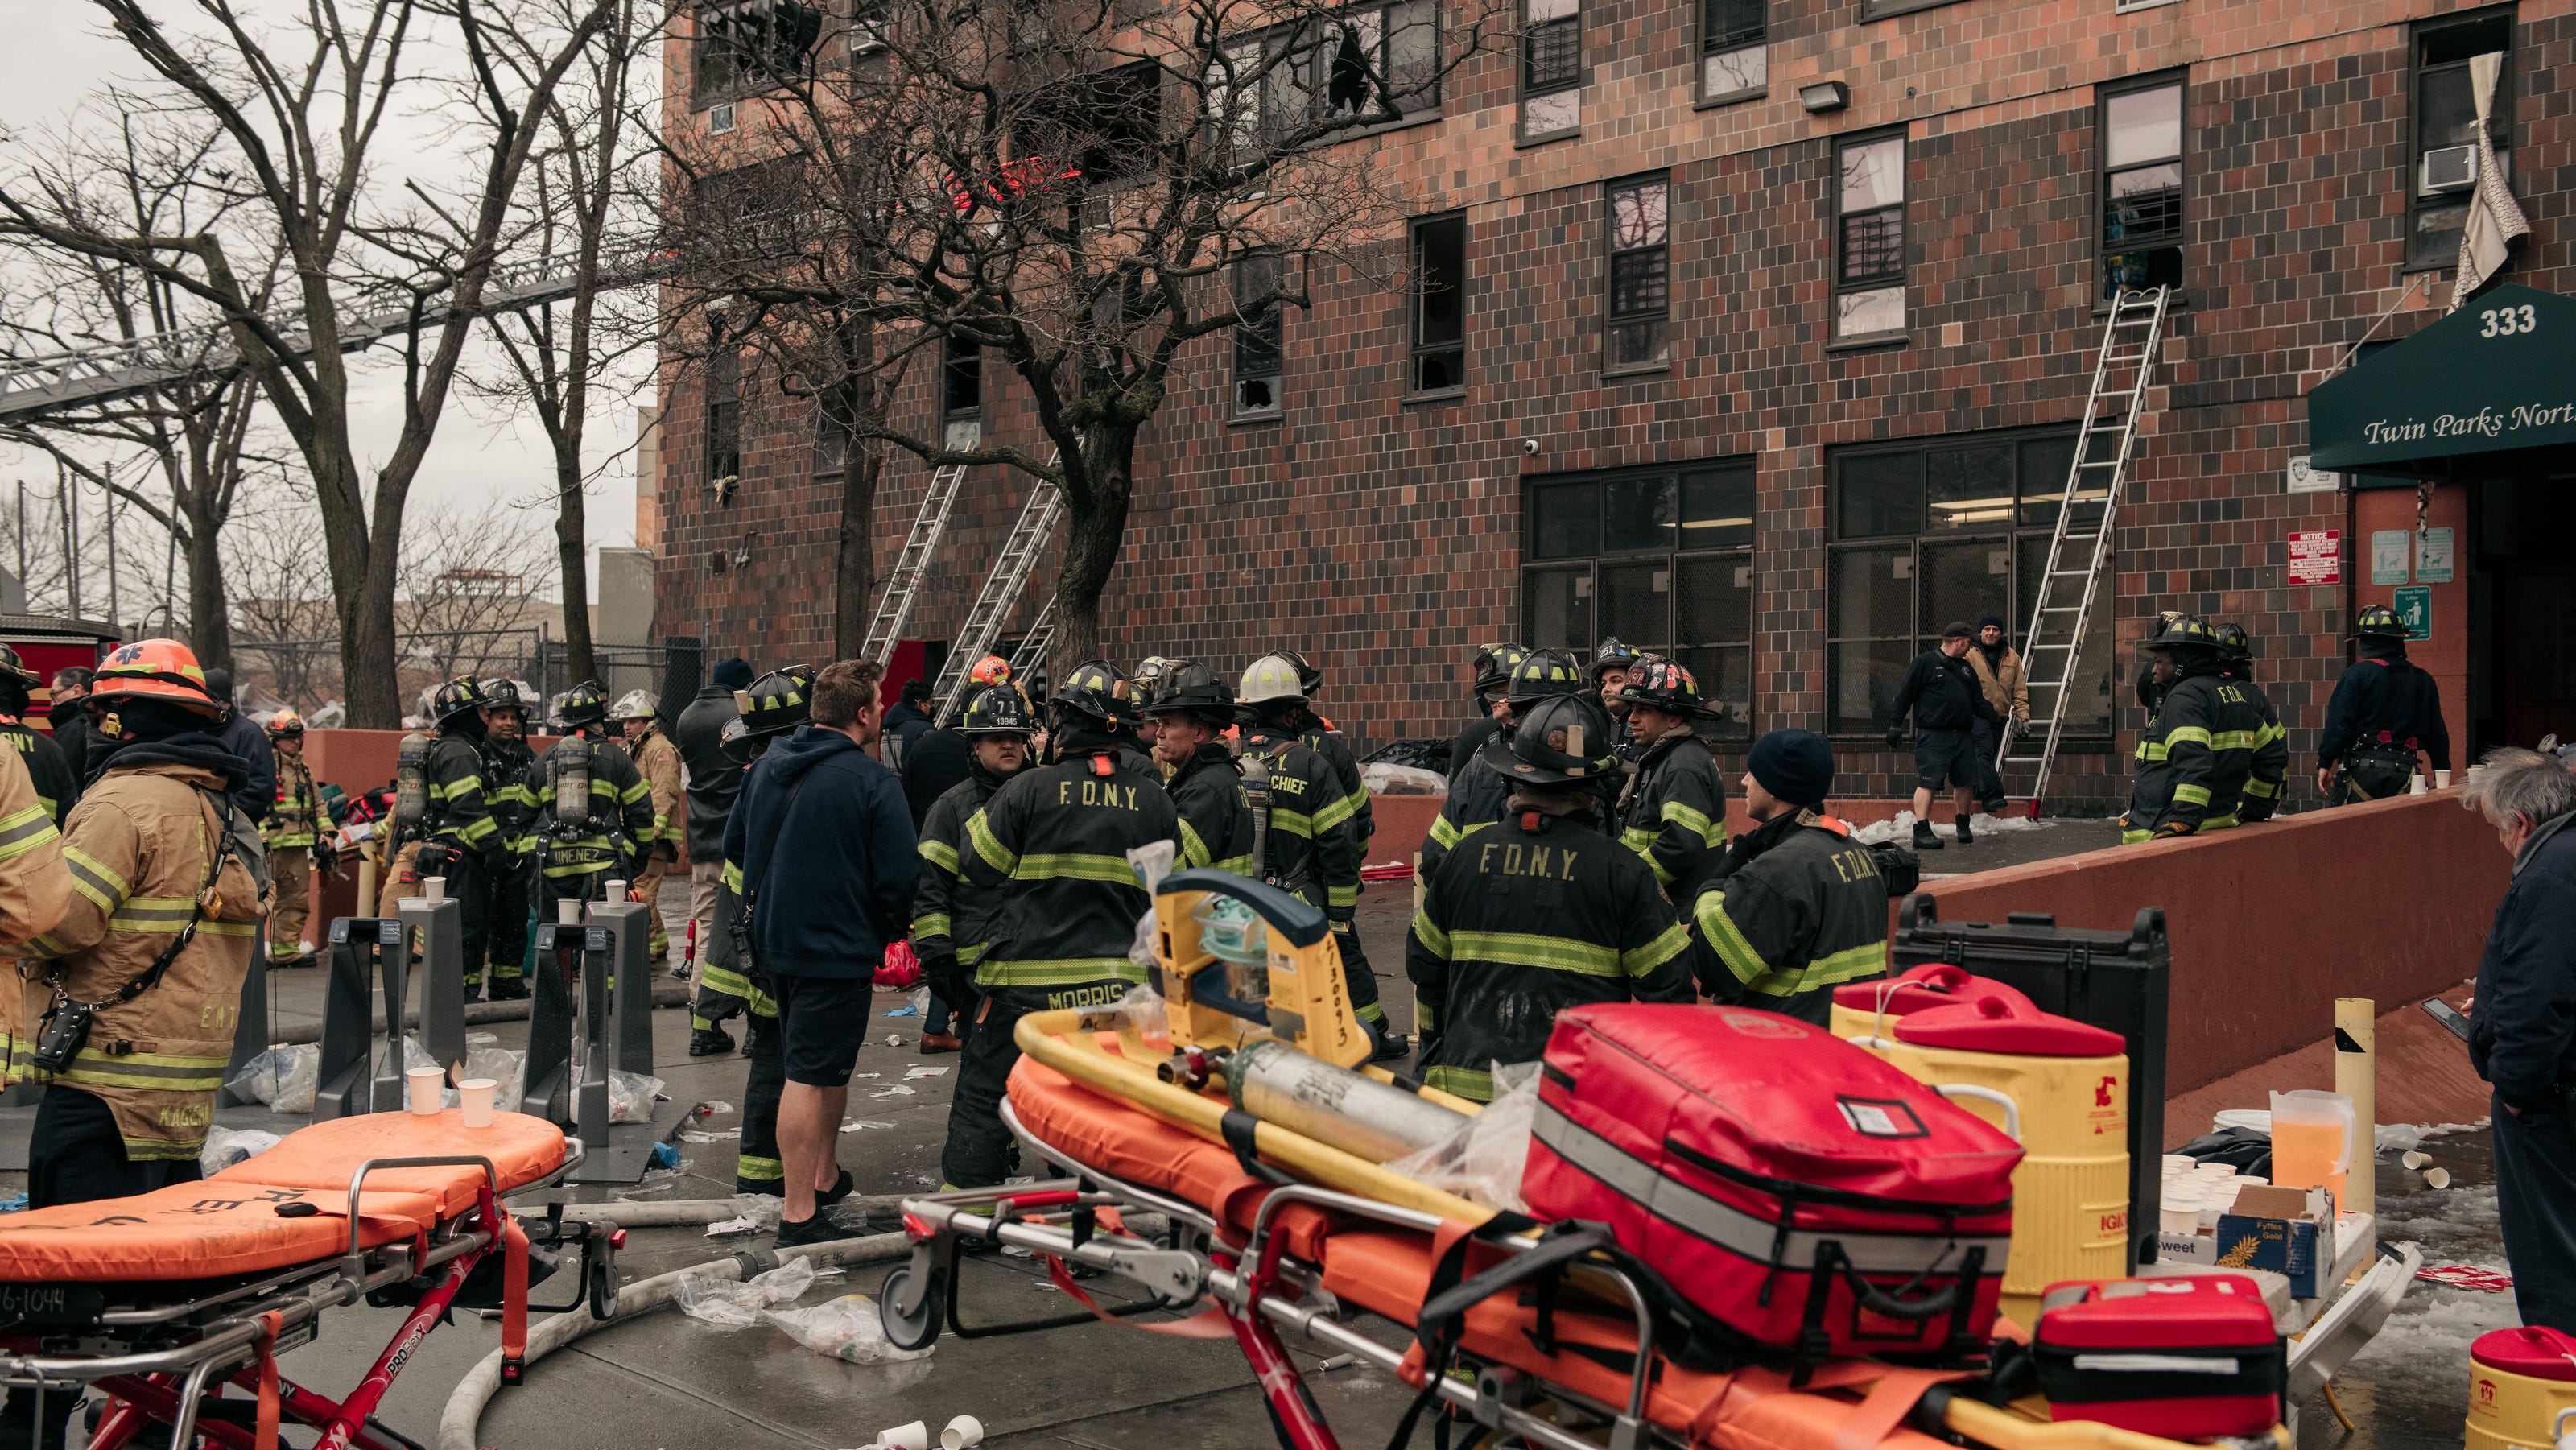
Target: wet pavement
point(666, 1380)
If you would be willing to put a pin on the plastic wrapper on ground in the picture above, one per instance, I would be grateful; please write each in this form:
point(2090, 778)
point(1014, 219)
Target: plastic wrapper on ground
point(846, 1328)
point(1482, 1161)
point(737, 1303)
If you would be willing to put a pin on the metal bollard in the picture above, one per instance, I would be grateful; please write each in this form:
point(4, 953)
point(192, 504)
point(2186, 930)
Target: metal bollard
point(437, 928)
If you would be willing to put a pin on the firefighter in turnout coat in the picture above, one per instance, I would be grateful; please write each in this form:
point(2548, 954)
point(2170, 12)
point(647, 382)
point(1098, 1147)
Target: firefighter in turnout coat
point(1536, 912)
point(1796, 907)
point(1673, 813)
point(1053, 843)
point(1190, 715)
point(658, 761)
point(952, 921)
point(458, 837)
point(298, 819)
point(2198, 750)
point(586, 838)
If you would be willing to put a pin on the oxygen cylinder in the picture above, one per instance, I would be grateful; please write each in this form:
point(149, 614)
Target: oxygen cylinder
point(572, 785)
point(1358, 1114)
point(411, 783)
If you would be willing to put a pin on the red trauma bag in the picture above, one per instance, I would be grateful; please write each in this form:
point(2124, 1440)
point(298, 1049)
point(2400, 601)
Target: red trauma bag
point(2185, 1358)
point(1796, 1188)
point(1928, 985)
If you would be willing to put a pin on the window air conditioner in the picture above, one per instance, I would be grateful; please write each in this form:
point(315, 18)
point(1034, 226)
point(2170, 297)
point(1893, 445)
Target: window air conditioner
point(720, 120)
point(2452, 168)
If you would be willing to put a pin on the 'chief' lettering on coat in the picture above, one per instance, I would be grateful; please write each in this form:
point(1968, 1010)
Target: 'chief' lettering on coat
point(1514, 859)
point(1854, 865)
point(1096, 793)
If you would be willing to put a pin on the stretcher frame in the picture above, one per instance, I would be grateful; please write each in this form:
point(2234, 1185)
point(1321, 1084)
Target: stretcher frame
point(236, 1331)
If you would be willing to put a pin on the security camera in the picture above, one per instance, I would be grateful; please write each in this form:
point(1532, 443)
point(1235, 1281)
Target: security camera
point(1529, 446)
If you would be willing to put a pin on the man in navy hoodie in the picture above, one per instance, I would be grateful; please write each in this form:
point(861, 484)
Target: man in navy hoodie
point(825, 846)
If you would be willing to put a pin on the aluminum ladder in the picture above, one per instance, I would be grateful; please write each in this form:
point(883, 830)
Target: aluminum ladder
point(1001, 594)
point(903, 586)
point(1032, 652)
point(2079, 553)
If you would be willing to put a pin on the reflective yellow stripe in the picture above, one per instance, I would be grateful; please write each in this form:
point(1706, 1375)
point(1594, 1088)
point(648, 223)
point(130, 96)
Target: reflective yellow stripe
point(1466, 1082)
point(759, 1170)
point(1342, 895)
point(1693, 821)
point(1444, 832)
point(1285, 822)
point(1424, 1020)
point(930, 924)
point(2151, 750)
point(92, 879)
point(2181, 733)
point(1239, 865)
point(1641, 839)
point(2194, 794)
point(733, 878)
point(1527, 949)
point(2232, 739)
point(1194, 851)
point(1655, 953)
point(2262, 789)
point(989, 846)
point(2220, 823)
point(972, 952)
point(1430, 935)
point(1059, 972)
point(23, 831)
point(2132, 838)
point(1336, 813)
point(162, 915)
point(940, 854)
point(1726, 939)
point(1075, 866)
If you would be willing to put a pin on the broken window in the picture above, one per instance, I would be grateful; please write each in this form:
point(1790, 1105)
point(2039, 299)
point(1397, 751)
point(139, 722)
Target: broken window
point(1640, 273)
point(962, 379)
point(724, 416)
point(752, 45)
point(1439, 304)
point(1258, 342)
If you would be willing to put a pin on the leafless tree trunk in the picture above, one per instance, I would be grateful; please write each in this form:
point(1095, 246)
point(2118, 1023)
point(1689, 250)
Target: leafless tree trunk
point(300, 99)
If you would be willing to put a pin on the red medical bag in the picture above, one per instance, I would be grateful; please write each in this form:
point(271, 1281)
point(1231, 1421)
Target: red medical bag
point(1796, 1188)
point(2185, 1358)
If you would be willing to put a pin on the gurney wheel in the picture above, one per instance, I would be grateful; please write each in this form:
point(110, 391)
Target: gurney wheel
point(918, 1329)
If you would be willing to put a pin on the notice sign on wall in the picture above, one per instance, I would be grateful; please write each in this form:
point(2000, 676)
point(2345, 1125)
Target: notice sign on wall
point(2433, 556)
point(2317, 558)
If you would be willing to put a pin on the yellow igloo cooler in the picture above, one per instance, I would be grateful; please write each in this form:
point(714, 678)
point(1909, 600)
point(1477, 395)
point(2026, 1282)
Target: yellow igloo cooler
point(2068, 1086)
point(2520, 1381)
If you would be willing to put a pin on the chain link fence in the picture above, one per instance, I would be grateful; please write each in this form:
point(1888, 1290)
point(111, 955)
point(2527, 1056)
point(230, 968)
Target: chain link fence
point(305, 673)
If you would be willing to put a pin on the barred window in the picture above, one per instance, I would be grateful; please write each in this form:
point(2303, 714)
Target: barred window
point(1551, 67)
point(1869, 272)
point(1734, 61)
point(2142, 196)
point(753, 45)
point(1640, 273)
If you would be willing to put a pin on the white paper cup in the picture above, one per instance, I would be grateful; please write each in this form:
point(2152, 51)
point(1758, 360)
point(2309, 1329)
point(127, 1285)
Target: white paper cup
point(617, 891)
point(424, 1087)
point(2414, 1158)
point(478, 1093)
point(568, 911)
point(2437, 1178)
point(2179, 1218)
point(962, 1432)
point(915, 1436)
point(433, 888)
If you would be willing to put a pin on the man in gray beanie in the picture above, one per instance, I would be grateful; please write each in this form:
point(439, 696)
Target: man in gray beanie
point(1797, 907)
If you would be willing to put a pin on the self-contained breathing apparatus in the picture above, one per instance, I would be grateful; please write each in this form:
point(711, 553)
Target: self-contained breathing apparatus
point(411, 795)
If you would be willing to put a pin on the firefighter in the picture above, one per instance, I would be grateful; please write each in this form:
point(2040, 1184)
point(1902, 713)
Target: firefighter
point(730, 981)
point(1307, 823)
point(457, 836)
point(297, 821)
point(2151, 692)
point(2383, 712)
point(1150, 683)
point(1612, 661)
point(594, 810)
point(2262, 795)
point(1673, 811)
point(1054, 842)
point(2197, 751)
point(49, 770)
point(1536, 912)
point(1322, 736)
point(1477, 791)
point(952, 921)
point(659, 762)
point(1493, 665)
point(1796, 907)
point(1190, 714)
point(506, 759)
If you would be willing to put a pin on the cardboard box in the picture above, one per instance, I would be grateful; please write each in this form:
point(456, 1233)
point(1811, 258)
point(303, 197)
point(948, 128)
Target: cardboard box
point(2277, 1229)
point(2194, 1248)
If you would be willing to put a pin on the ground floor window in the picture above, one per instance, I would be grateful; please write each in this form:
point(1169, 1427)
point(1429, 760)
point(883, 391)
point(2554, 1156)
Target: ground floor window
point(1934, 530)
point(1661, 557)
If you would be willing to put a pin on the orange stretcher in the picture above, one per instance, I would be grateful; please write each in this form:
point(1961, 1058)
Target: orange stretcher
point(163, 1300)
point(1248, 1252)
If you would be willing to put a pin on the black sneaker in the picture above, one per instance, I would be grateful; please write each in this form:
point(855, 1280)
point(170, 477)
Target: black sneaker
point(815, 1230)
point(1924, 840)
point(507, 989)
point(1966, 836)
point(840, 1189)
point(709, 1042)
point(1391, 1046)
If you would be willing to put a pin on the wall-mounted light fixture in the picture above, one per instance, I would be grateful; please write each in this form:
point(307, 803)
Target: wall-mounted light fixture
point(1824, 96)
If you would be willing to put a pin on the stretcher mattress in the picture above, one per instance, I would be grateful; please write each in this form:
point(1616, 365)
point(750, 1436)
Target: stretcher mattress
point(230, 1225)
point(1388, 1272)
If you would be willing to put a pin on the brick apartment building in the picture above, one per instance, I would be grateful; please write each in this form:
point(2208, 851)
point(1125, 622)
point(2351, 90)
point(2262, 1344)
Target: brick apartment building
point(1773, 325)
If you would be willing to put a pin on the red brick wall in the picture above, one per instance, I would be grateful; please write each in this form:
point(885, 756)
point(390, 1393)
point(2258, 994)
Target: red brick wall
point(1383, 537)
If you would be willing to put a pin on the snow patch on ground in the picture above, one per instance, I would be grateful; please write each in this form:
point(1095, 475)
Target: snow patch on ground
point(2406, 1137)
point(1901, 829)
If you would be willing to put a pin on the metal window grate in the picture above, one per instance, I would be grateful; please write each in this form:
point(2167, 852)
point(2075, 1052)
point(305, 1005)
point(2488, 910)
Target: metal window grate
point(1554, 58)
point(1726, 24)
point(1640, 283)
point(1873, 245)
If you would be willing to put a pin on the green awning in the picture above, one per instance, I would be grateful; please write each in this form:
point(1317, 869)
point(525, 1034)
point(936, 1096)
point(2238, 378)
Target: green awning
point(2497, 376)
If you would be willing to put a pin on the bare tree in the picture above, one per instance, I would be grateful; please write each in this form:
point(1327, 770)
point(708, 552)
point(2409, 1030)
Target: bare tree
point(300, 99)
point(138, 175)
point(281, 602)
point(590, 214)
point(1077, 189)
point(473, 587)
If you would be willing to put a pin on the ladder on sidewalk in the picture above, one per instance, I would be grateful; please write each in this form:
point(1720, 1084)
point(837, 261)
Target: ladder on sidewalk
point(1001, 594)
point(903, 586)
point(1032, 652)
point(2079, 552)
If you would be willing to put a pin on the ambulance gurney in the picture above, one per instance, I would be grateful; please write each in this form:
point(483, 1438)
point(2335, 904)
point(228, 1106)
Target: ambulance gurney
point(1557, 1334)
point(163, 1301)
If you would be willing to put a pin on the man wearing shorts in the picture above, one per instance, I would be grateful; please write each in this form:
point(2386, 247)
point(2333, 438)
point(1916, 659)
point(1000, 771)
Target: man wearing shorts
point(825, 845)
point(1942, 694)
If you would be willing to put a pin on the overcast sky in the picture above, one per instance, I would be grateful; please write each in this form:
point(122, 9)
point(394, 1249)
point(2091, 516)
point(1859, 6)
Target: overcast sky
point(57, 56)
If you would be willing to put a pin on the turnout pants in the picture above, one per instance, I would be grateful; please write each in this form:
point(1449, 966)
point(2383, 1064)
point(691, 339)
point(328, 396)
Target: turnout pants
point(2536, 1201)
point(758, 1168)
point(648, 888)
point(291, 868)
point(510, 919)
point(1355, 970)
point(981, 1152)
point(466, 882)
